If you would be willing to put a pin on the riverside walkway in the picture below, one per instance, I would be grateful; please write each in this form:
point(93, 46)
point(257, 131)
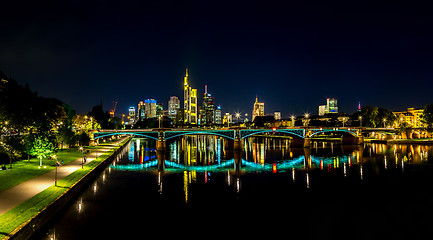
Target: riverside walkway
point(16, 195)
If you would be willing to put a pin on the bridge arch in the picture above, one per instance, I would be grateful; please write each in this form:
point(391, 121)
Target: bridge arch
point(295, 133)
point(228, 134)
point(98, 135)
point(343, 131)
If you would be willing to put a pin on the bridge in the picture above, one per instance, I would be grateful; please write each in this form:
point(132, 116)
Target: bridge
point(300, 136)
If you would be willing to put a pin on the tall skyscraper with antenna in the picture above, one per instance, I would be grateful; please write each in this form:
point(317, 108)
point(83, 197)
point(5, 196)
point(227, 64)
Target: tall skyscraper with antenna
point(190, 101)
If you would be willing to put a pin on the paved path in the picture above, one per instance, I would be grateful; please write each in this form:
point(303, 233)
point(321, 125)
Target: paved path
point(16, 195)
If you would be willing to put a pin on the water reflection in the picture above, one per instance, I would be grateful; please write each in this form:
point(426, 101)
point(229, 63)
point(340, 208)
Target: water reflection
point(201, 171)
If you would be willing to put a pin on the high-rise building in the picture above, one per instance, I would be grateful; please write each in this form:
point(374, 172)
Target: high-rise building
point(150, 108)
point(218, 116)
point(259, 109)
point(190, 102)
point(131, 115)
point(173, 107)
point(159, 110)
point(277, 115)
point(330, 107)
point(322, 110)
point(208, 107)
point(141, 111)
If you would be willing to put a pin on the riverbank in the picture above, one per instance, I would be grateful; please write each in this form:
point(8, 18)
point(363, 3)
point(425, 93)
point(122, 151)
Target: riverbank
point(26, 218)
point(428, 141)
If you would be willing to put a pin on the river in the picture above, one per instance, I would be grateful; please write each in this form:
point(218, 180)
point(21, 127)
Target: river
point(203, 190)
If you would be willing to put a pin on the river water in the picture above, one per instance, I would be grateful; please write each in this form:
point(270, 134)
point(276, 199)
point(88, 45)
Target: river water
point(199, 189)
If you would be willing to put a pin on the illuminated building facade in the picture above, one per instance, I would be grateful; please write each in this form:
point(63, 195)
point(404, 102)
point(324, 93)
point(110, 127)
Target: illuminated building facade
point(190, 102)
point(330, 107)
point(150, 108)
point(218, 115)
point(277, 115)
point(173, 106)
point(258, 109)
point(141, 111)
point(131, 115)
point(412, 117)
point(208, 108)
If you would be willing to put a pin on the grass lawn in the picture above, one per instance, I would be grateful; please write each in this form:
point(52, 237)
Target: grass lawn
point(25, 211)
point(24, 170)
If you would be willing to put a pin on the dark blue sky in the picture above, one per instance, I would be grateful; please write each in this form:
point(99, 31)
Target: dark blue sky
point(292, 55)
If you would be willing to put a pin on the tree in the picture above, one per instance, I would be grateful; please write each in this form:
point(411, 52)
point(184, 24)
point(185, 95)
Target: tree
point(41, 147)
point(377, 117)
point(427, 117)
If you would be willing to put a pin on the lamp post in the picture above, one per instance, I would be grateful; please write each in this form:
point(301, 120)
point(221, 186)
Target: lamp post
point(384, 121)
point(360, 121)
point(55, 176)
point(306, 120)
point(237, 115)
point(82, 158)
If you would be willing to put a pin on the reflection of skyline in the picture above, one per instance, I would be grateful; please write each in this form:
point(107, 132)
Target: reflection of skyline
point(199, 157)
point(209, 150)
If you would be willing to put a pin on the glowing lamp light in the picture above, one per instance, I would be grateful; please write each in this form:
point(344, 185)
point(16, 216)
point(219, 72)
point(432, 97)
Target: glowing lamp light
point(274, 168)
point(274, 129)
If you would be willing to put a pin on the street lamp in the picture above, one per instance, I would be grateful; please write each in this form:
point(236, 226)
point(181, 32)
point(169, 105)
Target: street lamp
point(55, 163)
point(82, 158)
point(237, 115)
point(384, 121)
point(360, 121)
point(306, 120)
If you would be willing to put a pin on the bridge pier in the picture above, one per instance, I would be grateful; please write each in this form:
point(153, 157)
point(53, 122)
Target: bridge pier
point(237, 145)
point(307, 142)
point(160, 145)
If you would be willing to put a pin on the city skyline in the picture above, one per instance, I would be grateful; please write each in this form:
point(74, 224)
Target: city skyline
point(292, 56)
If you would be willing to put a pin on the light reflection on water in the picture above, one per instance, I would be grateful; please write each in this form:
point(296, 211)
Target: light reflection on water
point(194, 164)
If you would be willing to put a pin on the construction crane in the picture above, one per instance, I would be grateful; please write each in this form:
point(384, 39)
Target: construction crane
point(113, 109)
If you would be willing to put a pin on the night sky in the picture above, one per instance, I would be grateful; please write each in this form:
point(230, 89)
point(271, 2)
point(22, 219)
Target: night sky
point(292, 55)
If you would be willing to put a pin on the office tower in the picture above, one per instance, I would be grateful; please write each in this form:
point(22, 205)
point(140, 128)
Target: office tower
point(131, 115)
point(190, 102)
point(330, 107)
point(208, 108)
point(218, 117)
point(141, 111)
point(173, 107)
point(277, 115)
point(150, 108)
point(259, 109)
point(159, 110)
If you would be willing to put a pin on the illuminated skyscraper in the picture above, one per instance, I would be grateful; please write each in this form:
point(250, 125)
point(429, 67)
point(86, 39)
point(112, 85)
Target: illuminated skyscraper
point(218, 117)
point(131, 115)
point(190, 102)
point(173, 106)
point(330, 107)
point(259, 109)
point(150, 108)
point(141, 111)
point(208, 107)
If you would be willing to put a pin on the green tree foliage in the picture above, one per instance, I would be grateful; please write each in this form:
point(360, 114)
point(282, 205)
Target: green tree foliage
point(377, 117)
point(41, 147)
point(427, 116)
point(24, 114)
